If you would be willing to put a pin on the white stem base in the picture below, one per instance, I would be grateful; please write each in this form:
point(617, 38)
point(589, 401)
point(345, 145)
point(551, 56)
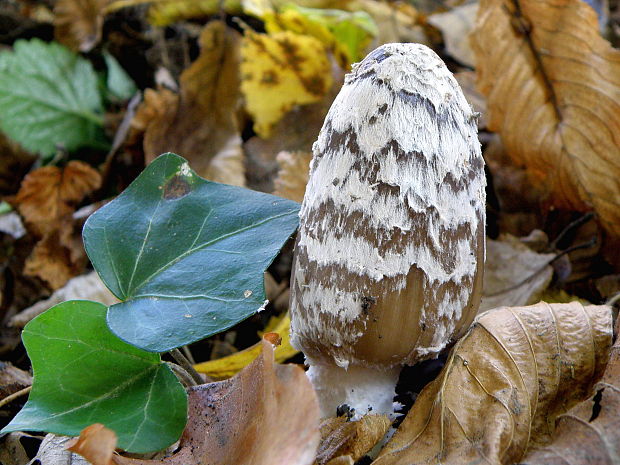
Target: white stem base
point(366, 390)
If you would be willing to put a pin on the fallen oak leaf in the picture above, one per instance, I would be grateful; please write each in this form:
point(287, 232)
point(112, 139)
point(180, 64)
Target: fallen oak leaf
point(50, 193)
point(267, 414)
point(518, 368)
point(96, 443)
point(53, 262)
point(544, 66)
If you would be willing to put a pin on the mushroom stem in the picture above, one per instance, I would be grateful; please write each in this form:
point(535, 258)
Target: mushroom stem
point(364, 390)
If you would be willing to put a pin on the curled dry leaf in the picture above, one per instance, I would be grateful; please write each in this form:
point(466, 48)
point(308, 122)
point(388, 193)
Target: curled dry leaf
point(79, 22)
point(267, 414)
point(353, 439)
point(517, 369)
point(96, 443)
point(279, 71)
point(55, 261)
point(49, 194)
point(544, 68)
point(200, 123)
point(47, 199)
point(589, 433)
point(292, 175)
point(514, 274)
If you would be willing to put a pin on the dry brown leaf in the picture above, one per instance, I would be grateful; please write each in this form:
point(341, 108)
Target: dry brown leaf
point(553, 89)
point(504, 384)
point(352, 439)
point(292, 175)
point(200, 124)
point(514, 274)
point(52, 262)
point(589, 433)
point(265, 415)
point(79, 22)
point(96, 443)
point(49, 194)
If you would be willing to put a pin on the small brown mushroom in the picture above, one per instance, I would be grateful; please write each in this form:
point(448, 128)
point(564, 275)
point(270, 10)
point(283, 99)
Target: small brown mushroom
point(389, 256)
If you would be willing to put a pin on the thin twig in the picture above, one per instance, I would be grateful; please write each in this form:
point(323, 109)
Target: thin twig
point(10, 398)
point(188, 355)
point(571, 226)
point(187, 366)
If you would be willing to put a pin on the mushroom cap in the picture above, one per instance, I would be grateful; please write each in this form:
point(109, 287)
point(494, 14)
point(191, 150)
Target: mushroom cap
point(390, 250)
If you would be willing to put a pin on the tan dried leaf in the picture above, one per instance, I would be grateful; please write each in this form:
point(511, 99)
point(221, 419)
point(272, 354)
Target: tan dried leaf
point(514, 275)
point(467, 81)
point(504, 384)
point(96, 443)
point(54, 261)
point(200, 124)
point(50, 193)
point(267, 414)
point(78, 23)
point(455, 26)
point(352, 439)
point(589, 433)
point(553, 89)
point(292, 175)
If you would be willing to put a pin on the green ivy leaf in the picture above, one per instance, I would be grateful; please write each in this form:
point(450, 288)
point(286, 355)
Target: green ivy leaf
point(118, 83)
point(185, 255)
point(83, 374)
point(49, 97)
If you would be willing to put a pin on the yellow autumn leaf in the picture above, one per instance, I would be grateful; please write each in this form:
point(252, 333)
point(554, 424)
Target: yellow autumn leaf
point(165, 12)
point(226, 367)
point(279, 71)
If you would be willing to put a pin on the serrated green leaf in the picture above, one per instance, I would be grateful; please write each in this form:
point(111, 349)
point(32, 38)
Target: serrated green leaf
point(49, 97)
point(83, 374)
point(185, 255)
point(119, 85)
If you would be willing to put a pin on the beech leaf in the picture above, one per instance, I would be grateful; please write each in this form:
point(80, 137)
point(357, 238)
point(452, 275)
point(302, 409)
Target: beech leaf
point(84, 374)
point(553, 87)
point(504, 384)
point(185, 255)
point(267, 414)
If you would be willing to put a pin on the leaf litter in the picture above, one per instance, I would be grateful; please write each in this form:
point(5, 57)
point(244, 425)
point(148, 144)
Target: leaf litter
point(255, 79)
